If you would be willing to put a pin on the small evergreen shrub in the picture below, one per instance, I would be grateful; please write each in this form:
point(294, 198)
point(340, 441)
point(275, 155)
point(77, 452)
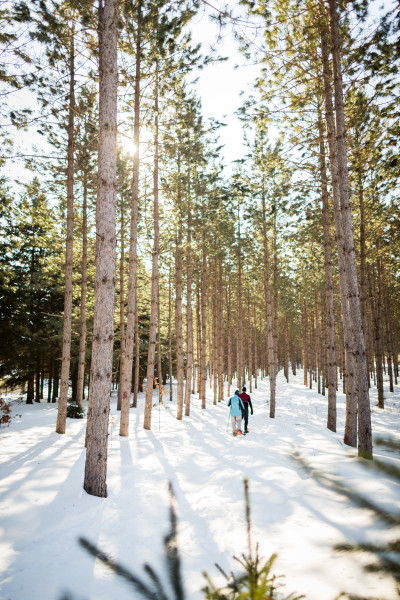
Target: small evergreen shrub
point(74, 411)
point(254, 582)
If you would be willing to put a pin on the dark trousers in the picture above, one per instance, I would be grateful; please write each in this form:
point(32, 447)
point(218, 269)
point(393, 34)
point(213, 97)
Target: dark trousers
point(245, 415)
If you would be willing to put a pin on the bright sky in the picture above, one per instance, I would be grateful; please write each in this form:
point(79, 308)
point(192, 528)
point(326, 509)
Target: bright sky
point(219, 88)
point(220, 84)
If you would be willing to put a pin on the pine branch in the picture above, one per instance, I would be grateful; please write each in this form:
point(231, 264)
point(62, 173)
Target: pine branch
point(141, 587)
point(387, 517)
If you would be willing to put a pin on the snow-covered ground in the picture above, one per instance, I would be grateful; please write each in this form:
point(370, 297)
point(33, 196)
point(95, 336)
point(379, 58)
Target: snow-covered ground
point(44, 509)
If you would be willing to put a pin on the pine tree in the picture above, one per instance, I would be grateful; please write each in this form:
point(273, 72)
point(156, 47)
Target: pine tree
point(103, 326)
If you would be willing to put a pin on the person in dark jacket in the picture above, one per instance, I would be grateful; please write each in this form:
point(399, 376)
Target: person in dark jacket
point(236, 412)
point(245, 398)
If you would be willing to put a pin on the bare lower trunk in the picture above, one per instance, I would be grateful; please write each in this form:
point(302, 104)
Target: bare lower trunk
point(350, 436)
point(376, 308)
point(330, 337)
point(229, 335)
point(249, 344)
point(239, 374)
point(178, 306)
point(189, 318)
point(127, 350)
point(82, 332)
point(220, 337)
point(215, 338)
point(203, 325)
point(67, 324)
point(269, 315)
point(154, 279)
point(388, 337)
point(358, 347)
point(159, 354)
point(121, 306)
point(103, 325)
point(169, 338)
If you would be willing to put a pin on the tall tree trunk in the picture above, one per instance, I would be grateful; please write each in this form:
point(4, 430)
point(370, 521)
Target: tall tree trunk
point(350, 436)
point(154, 277)
point(203, 324)
point(178, 304)
point(255, 349)
point(37, 377)
point(103, 324)
point(170, 338)
point(376, 306)
point(329, 295)
point(121, 306)
point(127, 349)
point(198, 337)
point(220, 336)
point(269, 313)
point(249, 344)
point(358, 347)
point(363, 266)
point(304, 329)
point(275, 276)
point(229, 335)
point(82, 328)
point(54, 395)
point(189, 317)
point(159, 352)
point(215, 336)
point(388, 336)
point(67, 322)
point(137, 353)
point(50, 380)
point(240, 381)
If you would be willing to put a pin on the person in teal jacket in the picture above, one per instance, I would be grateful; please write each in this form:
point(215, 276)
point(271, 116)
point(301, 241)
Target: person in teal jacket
point(236, 408)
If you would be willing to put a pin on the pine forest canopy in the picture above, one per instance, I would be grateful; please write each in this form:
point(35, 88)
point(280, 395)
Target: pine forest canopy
point(131, 258)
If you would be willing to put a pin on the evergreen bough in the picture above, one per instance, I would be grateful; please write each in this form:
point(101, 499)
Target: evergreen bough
point(74, 411)
point(254, 582)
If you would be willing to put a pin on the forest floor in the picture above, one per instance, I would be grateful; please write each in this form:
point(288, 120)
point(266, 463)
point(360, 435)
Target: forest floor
point(44, 509)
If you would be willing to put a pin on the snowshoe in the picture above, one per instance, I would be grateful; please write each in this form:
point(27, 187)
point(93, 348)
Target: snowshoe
point(239, 432)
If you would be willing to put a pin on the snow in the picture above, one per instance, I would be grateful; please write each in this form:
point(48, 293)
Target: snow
point(44, 509)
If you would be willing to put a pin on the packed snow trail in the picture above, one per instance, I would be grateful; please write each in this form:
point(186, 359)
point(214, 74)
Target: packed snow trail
point(44, 509)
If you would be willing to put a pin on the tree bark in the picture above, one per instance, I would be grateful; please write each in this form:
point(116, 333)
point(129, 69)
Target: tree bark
point(239, 374)
point(329, 295)
point(103, 325)
point(376, 307)
point(189, 313)
point(358, 348)
point(127, 350)
point(170, 338)
point(67, 322)
point(82, 329)
point(154, 277)
point(121, 307)
point(178, 303)
point(350, 436)
point(203, 324)
point(269, 314)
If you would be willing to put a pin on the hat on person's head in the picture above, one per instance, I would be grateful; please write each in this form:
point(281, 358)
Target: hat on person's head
point(244, 388)
point(237, 392)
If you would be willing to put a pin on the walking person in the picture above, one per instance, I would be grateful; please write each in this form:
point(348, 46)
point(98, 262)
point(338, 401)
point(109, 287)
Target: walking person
point(246, 400)
point(236, 411)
